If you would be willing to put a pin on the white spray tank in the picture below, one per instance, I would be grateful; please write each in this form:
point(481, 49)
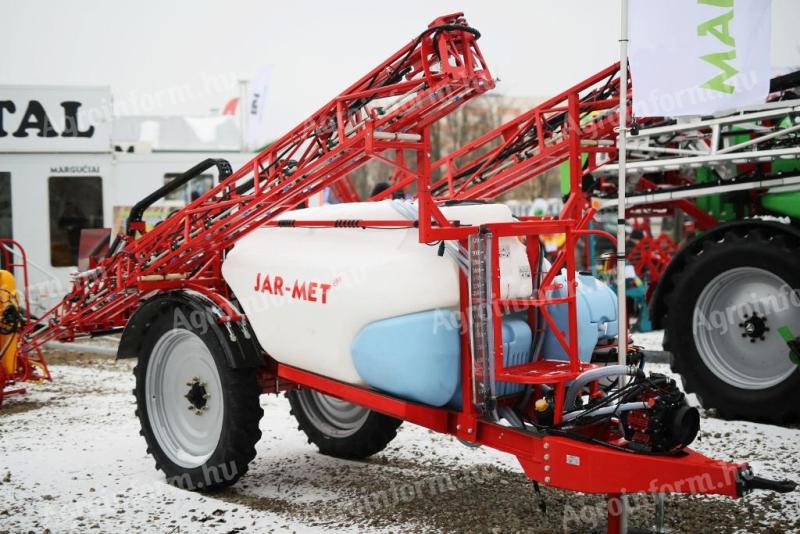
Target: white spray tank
point(375, 307)
point(307, 292)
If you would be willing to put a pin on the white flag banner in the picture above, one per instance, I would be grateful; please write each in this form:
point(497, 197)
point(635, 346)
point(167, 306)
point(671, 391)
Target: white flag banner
point(697, 57)
point(255, 104)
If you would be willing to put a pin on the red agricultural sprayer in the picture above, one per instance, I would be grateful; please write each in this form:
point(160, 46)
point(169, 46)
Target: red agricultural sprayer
point(441, 312)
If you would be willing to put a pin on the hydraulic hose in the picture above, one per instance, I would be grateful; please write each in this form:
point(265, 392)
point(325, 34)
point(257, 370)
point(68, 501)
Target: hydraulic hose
point(608, 410)
point(595, 374)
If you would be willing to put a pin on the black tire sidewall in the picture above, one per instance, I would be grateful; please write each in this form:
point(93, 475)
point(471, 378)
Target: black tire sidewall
point(730, 401)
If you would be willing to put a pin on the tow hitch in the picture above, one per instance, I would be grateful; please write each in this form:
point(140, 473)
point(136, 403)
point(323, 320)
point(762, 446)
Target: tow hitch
point(748, 482)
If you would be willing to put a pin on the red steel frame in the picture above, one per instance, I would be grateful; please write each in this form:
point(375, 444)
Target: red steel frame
point(530, 144)
point(526, 146)
point(186, 250)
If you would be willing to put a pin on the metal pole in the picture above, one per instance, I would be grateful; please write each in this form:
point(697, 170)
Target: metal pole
point(620, 524)
point(660, 507)
point(622, 315)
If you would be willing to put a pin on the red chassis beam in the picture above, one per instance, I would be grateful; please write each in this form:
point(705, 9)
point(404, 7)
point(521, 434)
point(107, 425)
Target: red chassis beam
point(552, 460)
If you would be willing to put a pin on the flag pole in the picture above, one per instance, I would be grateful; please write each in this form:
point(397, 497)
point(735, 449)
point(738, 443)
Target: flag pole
point(622, 348)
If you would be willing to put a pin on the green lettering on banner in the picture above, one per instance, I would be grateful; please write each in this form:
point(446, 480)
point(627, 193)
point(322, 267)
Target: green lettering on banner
point(720, 28)
point(717, 83)
point(718, 3)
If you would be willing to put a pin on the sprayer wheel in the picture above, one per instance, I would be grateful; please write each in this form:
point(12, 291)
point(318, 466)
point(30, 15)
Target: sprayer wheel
point(198, 415)
point(340, 428)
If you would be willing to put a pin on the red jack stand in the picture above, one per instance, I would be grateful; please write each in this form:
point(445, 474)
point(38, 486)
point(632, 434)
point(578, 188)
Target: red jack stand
point(617, 505)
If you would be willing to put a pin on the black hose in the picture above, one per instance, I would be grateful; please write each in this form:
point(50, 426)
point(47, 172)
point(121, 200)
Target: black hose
point(401, 70)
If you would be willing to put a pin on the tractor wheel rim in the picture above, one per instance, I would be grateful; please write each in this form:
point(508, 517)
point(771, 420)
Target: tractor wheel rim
point(332, 416)
point(736, 321)
point(184, 398)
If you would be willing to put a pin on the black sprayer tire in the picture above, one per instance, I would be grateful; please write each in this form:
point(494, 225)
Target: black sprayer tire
point(202, 433)
point(725, 314)
point(341, 429)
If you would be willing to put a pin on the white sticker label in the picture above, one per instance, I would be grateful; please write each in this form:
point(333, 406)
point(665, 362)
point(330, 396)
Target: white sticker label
point(573, 460)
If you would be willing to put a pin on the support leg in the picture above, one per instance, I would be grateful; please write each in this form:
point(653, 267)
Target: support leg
point(660, 506)
point(617, 505)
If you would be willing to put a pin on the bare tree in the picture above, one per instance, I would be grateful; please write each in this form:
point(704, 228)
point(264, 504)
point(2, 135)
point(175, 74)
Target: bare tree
point(455, 130)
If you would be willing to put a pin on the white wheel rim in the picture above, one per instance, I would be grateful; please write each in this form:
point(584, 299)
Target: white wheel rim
point(187, 429)
point(729, 345)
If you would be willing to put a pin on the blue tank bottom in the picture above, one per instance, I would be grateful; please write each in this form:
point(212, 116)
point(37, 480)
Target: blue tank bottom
point(597, 317)
point(418, 356)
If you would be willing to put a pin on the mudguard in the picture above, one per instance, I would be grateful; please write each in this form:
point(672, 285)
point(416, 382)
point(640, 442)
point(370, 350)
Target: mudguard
point(241, 347)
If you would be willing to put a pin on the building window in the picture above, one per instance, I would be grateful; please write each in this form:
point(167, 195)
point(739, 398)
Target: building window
point(75, 203)
point(193, 190)
point(5, 206)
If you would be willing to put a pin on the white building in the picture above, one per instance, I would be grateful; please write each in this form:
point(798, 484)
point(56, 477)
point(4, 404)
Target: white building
point(67, 164)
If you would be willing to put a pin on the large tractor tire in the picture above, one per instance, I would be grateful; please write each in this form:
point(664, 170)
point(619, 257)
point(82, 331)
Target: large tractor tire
point(339, 428)
point(728, 313)
point(198, 415)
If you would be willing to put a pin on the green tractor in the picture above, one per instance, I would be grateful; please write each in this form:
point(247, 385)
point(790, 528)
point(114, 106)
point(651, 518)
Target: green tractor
point(729, 299)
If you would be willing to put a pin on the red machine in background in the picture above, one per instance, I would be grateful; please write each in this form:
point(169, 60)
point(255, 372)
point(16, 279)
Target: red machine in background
point(16, 367)
point(566, 429)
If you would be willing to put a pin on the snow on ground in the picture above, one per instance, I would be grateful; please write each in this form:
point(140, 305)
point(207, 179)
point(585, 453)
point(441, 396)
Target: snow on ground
point(649, 340)
point(71, 460)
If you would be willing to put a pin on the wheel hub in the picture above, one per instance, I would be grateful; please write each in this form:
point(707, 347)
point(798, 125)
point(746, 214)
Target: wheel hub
point(754, 327)
point(758, 300)
point(197, 396)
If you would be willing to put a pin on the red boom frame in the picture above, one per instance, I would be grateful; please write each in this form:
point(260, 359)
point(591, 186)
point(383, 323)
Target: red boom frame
point(427, 79)
point(532, 143)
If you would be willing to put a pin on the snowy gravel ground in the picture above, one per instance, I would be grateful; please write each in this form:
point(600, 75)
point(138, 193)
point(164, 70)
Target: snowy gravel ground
point(71, 460)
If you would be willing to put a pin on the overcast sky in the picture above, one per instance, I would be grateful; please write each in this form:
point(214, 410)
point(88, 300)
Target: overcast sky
point(184, 57)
